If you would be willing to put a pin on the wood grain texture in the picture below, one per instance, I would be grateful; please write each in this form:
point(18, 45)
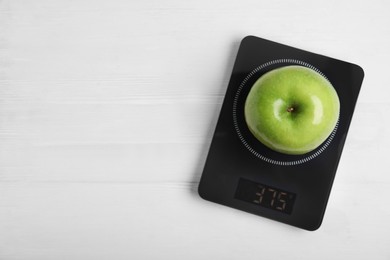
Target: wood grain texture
point(107, 110)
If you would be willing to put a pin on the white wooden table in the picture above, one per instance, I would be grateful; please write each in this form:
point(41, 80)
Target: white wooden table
point(107, 109)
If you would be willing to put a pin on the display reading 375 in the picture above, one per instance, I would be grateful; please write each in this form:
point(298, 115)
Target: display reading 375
point(265, 196)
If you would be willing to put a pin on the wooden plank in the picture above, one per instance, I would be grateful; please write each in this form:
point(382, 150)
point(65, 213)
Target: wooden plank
point(149, 221)
point(116, 142)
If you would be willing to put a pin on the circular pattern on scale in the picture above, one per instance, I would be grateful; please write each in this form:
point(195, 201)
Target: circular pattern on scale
point(246, 143)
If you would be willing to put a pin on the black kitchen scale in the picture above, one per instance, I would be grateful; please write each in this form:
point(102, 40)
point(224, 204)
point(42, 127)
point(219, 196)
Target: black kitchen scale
point(242, 173)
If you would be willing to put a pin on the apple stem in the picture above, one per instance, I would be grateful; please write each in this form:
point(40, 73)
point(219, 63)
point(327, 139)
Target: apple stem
point(290, 109)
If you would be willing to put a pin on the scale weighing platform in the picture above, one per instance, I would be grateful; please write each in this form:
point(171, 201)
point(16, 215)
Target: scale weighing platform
point(242, 173)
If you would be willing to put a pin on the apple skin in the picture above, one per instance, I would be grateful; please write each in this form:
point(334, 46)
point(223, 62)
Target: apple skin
point(292, 109)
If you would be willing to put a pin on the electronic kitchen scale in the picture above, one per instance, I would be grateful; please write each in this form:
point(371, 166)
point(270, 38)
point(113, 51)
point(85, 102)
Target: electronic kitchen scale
point(242, 173)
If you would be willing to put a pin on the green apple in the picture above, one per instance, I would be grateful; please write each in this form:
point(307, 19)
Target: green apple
point(292, 109)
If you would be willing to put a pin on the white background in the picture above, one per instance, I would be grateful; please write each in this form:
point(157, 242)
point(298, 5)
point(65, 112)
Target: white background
point(107, 110)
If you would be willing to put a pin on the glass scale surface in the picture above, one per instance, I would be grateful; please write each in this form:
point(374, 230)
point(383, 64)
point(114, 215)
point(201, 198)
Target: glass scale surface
point(242, 173)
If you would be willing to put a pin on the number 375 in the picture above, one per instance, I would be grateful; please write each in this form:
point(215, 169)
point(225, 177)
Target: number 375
point(272, 198)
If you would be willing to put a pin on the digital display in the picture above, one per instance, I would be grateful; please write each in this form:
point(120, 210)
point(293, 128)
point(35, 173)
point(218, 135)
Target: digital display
point(265, 196)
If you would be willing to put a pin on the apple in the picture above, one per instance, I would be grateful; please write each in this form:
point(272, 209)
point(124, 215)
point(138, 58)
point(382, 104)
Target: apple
point(292, 109)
